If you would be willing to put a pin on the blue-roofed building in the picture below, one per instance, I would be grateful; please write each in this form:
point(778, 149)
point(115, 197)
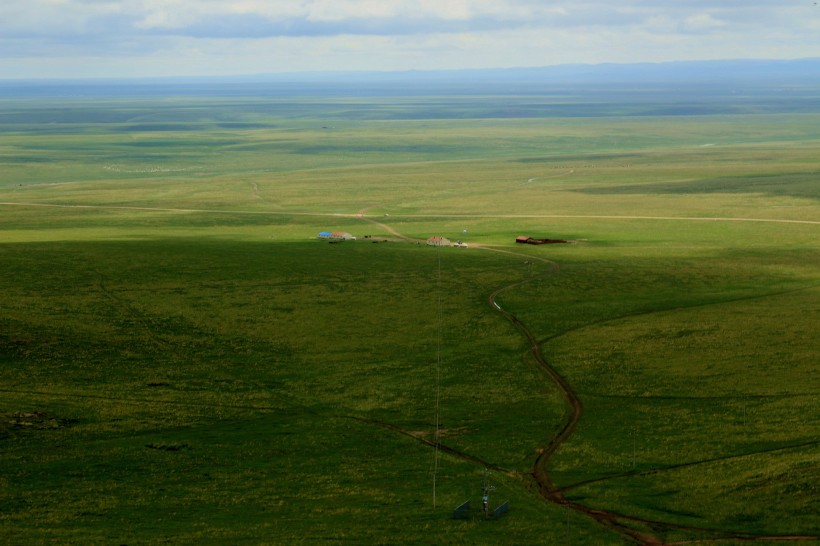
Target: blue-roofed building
point(325, 235)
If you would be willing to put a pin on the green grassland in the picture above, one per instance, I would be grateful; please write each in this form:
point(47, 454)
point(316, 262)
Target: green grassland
point(182, 361)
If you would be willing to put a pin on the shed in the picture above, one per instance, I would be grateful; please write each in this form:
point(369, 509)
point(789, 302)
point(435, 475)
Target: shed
point(438, 241)
point(341, 236)
point(523, 239)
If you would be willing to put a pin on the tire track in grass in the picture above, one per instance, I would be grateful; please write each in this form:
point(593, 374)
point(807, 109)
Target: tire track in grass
point(544, 484)
point(646, 312)
point(545, 487)
point(361, 215)
point(141, 401)
point(433, 216)
point(438, 445)
point(658, 470)
point(127, 309)
point(551, 493)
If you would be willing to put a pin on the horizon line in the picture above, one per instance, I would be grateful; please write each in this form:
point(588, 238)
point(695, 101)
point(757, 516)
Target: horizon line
point(256, 77)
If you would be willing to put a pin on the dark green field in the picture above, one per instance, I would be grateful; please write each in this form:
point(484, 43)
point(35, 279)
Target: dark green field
point(182, 361)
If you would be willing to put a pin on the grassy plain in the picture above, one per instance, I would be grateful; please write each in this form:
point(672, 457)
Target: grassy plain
point(180, 359)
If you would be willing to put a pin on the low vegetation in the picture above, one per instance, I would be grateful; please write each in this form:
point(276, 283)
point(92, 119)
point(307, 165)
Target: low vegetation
point(182, 360)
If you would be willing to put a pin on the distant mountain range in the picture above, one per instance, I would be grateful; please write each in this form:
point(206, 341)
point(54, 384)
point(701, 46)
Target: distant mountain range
point(794, 71)
point(725, 78)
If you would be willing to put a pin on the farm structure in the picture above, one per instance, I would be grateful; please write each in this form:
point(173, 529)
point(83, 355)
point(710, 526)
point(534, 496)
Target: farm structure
point(336, 236)
point(438, 241)
point(524, 240)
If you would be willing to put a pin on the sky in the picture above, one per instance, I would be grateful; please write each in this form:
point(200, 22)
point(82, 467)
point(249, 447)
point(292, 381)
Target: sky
point(167, 38)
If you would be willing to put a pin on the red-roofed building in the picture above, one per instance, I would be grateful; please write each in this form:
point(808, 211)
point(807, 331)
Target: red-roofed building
point(438, 241)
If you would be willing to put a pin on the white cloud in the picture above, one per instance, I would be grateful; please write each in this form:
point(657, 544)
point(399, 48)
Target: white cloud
point(141, 37)
point(341, 10)
point(702, 22)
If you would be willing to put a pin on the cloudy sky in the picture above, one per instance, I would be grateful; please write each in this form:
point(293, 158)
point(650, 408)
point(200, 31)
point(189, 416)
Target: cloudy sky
point(114, 38)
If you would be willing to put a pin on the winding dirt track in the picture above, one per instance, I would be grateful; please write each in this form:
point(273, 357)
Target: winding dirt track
point(360, 215)
point(393, 231)
point(545, 486)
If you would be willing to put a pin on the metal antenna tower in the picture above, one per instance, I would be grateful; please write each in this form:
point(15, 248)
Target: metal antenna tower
point(485, 493)
point(436, 437)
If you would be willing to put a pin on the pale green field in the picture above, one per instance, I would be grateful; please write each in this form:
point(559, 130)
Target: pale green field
point(196, 367)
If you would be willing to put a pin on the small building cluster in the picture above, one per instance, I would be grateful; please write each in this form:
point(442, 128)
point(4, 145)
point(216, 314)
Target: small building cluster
point(438, 241)
point(336, 236)
point(435, 241)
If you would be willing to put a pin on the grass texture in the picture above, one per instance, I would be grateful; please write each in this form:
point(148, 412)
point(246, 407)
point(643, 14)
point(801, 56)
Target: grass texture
point(182, 361)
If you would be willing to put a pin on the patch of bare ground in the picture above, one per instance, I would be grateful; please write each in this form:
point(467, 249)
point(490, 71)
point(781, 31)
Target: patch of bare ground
point(34, 420)
point(442, 432)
